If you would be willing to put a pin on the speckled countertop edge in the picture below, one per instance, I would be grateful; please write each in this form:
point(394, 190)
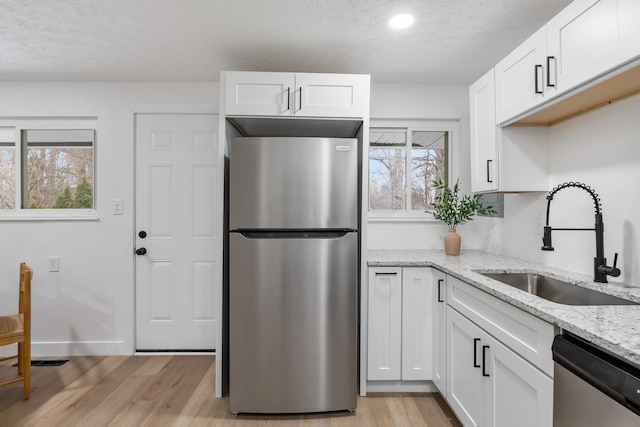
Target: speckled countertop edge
point(615, 328)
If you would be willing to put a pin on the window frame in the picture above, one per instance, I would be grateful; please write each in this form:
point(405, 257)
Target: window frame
point(25, 124)
point(411, 125)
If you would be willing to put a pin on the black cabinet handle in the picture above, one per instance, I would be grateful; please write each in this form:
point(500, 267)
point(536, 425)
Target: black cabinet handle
point(489, 164)
point(475, 352)
point(536, 70)
point(288, 98)
point(300, 98)
point(384, 273)
point(549, 59)
point(439, 290)
point(484, 360)
point(141, 251)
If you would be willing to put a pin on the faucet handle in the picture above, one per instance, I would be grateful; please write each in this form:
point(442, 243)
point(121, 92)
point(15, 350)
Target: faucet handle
point(614, 271)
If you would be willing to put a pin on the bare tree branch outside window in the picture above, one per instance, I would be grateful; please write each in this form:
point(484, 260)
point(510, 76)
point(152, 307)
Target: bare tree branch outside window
point(59, 171)
point(57, 168)
point(402, 166)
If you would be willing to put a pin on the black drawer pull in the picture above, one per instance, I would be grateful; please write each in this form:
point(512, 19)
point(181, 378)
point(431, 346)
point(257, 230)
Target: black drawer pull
point(475, 352)
point(484, 360)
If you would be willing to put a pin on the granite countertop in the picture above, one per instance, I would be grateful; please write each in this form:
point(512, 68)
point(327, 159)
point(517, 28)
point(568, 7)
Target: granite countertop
point(615, 328)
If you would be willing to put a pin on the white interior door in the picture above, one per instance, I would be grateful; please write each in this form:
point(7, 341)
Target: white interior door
point(176, 197)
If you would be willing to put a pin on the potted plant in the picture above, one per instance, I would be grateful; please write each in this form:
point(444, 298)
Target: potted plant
point(454, 210)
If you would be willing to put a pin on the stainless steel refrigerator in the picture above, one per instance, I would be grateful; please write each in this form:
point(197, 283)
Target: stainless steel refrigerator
point(293, 274)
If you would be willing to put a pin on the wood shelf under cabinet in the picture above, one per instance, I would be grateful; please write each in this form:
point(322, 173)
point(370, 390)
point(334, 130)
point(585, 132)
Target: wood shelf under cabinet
point(593, 95)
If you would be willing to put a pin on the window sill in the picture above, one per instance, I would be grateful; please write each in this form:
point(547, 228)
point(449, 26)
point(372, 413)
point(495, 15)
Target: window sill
point(49, 215)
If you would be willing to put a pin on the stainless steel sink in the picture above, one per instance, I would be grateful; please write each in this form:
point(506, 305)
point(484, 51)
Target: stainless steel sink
point(556, 290)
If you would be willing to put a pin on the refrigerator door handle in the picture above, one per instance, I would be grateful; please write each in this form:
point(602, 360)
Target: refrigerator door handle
point(297, 234)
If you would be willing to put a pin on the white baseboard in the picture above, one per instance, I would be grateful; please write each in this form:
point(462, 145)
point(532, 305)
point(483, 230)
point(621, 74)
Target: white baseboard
point(89, 348)
point(401, 386)
point(79, 348)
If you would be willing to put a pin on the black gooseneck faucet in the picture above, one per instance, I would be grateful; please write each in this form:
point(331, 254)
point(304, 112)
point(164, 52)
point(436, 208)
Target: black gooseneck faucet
point(600, 267)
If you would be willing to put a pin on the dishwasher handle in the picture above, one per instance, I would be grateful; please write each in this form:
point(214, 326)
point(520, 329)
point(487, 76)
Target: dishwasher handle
point(613, 376)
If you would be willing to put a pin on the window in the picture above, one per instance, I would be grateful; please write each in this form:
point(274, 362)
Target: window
point(7, 168)
point(403, 163)
point(47, 168)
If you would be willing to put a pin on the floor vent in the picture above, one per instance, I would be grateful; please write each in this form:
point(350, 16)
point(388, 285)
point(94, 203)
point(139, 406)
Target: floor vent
point(59, 362)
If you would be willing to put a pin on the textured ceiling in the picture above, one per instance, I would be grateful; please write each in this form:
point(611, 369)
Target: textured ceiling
point(451, 41)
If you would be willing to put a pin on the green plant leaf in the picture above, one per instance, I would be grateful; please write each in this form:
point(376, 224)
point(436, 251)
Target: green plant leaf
point(453, 209)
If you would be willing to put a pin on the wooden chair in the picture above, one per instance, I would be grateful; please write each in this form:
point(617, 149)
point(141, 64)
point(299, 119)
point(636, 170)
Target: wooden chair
point(16, 329)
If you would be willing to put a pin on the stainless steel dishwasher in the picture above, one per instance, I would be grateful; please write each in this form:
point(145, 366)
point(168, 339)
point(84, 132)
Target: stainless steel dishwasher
point(593, 388)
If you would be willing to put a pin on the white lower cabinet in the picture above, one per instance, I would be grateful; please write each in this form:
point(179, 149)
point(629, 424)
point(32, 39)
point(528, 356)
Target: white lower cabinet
point(488, 383)
point(491, 360)
point(400, 327)
point(520, 395)
point(467, 389)
point(439, 376)
point(385, 323)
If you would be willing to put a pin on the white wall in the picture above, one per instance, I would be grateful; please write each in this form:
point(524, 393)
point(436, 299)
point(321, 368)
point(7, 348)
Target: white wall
point(87, 307)
point(439, 102)
point(601, 149)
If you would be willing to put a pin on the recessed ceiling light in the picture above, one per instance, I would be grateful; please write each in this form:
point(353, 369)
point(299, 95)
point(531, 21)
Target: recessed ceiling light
point(400, 21)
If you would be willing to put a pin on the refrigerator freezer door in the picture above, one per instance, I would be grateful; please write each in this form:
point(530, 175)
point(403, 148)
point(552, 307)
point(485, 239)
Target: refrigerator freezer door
point(293, 183)
point(293, 324)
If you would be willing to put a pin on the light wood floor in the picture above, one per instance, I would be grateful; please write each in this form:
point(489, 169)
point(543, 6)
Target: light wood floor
point(177, 391)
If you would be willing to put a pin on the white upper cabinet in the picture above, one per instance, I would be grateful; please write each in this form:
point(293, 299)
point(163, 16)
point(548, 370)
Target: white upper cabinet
point(591, 37)
point(504, 159)
point(521, 78)
point(259, 94)
point(484, 149)
point(331, 95)
point(296, 94)
point(586, 40)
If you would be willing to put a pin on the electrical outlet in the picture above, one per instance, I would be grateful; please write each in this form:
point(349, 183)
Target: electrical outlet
point(538, 225)
point(116, 207)
point(54, 263)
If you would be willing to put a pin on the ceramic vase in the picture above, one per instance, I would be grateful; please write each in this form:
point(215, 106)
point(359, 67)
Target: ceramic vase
point(452, 242)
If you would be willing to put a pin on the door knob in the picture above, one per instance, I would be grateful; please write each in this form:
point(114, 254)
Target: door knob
point(141, 251)
point(142, 234)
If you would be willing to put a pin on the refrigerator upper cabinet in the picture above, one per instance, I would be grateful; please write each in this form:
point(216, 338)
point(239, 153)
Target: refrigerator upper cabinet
point(293, 183)
point(250, 93)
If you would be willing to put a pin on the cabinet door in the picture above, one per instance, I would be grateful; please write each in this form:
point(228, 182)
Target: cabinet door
point(484, 159)
point(467, 389)
point(259, 94)
point(439, 299)
point(520, 77)
point(520, 394)
point(385, 323)
point(331, 95)
point(417, 328)
point(590, 37)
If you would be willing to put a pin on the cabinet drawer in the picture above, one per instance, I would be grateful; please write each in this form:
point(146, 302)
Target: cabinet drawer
point(524, 333)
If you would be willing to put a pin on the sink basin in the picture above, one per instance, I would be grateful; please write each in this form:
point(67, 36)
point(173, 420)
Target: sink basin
point(555, 290)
